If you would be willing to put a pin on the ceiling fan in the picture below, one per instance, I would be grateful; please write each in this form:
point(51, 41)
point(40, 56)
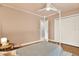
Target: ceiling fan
point(48, 8)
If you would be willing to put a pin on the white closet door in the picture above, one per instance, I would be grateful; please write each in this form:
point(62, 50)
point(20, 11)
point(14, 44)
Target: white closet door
point(76, 29)
point(69, 30)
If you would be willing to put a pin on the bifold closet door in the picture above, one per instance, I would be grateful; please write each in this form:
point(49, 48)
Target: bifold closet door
point(19, 27)
point(69, 30)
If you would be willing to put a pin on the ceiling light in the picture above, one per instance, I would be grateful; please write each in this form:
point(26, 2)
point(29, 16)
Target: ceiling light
point(48, 8)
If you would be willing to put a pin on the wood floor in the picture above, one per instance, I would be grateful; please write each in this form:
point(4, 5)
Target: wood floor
point(72, 49)
point(69, 48)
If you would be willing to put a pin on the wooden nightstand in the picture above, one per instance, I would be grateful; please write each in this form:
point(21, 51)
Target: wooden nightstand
point(7, 50)
point(6, 47)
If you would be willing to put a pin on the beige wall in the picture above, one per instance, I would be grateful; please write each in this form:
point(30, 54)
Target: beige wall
point(19, 27)
point(51, 27)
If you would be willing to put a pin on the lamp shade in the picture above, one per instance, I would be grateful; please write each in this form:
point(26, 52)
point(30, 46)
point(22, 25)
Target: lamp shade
point(4, 40)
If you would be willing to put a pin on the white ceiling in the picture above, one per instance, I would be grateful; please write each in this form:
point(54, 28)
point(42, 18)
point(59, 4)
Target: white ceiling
point(64, 7)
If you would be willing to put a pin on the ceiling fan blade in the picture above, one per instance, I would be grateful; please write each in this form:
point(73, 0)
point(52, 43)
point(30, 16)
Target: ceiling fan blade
point(49, 7)
point(54, 9)
point(41, 10)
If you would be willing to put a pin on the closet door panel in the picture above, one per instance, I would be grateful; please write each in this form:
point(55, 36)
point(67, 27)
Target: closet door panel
point(69, 30)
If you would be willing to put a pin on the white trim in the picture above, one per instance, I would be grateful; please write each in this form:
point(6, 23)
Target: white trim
point(46, 28)
point(66, 43)
point(60, 28)
point(28, 43)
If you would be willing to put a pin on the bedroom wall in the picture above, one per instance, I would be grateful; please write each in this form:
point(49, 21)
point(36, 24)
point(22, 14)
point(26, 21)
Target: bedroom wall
point(19, 27)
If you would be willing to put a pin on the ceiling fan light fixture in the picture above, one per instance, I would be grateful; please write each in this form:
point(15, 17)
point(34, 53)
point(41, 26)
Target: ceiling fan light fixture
point(48, 8)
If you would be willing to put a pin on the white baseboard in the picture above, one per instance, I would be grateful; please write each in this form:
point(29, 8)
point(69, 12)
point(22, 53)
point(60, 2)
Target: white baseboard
point(76, 45)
